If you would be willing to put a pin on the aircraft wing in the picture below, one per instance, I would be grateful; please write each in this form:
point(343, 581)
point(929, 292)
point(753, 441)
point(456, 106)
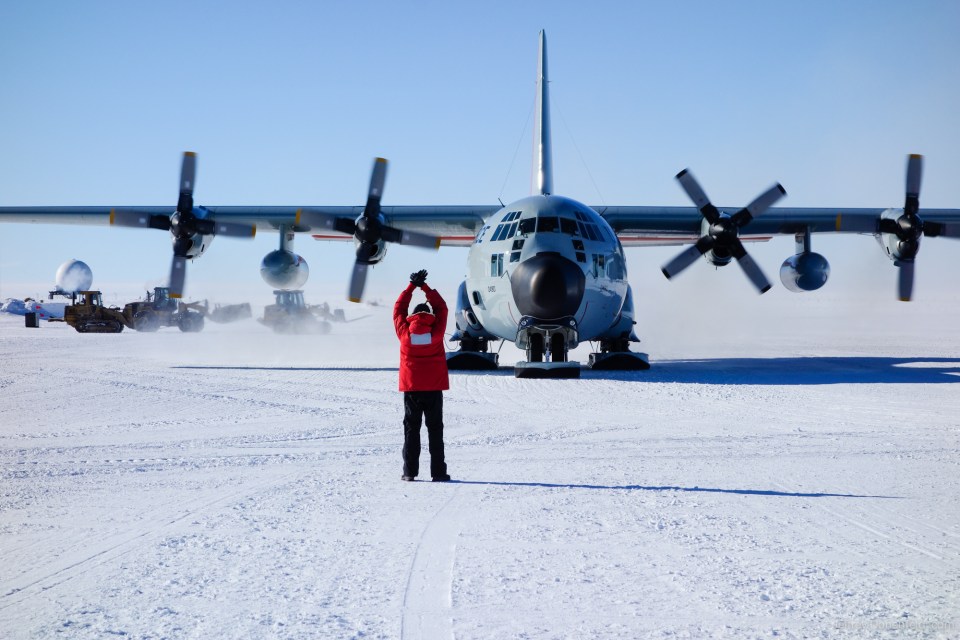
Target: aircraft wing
point(677, 225)
point(454, 225)
point(265, 218)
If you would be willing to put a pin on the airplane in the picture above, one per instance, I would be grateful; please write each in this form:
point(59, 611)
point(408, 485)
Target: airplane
point(545, 272)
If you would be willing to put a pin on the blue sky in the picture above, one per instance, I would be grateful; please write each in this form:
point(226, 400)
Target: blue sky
point(288, 103)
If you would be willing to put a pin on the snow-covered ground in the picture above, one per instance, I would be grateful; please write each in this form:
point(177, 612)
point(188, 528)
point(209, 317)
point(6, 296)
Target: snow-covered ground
point(799, 482)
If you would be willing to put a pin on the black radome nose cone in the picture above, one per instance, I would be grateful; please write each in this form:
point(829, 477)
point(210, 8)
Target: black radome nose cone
point(547, 286)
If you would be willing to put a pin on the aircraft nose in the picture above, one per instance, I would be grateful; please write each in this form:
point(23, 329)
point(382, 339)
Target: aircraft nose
point(547, 286)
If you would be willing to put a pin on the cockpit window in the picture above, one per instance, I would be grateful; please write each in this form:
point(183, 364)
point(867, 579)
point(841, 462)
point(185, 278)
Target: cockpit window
point(547, 223)
point(483, 231)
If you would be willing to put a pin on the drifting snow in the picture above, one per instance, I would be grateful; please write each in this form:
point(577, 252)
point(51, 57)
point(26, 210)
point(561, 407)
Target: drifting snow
point(237, 483)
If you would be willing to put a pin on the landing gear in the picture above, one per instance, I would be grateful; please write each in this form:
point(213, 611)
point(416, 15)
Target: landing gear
point(543, 340)
point(472, 356)
point(558, 348)
point(615, 355)
point(535, 350)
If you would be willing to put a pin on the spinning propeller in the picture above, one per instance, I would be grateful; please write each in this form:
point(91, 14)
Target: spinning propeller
point(368, 230)
point(905, 230)
point(184, 225)
point(722, 236)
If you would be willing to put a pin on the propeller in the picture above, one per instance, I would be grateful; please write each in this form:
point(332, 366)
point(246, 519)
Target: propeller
point(368, 230)
point(183, 225)
point(723, 232)
point(910, 228)
point(902, 232)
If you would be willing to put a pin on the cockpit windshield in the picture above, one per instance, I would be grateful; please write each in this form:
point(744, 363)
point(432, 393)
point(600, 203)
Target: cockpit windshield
point(547, 223)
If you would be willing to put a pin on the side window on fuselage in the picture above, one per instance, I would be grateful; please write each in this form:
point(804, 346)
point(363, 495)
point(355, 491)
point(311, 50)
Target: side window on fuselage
point(496, 265)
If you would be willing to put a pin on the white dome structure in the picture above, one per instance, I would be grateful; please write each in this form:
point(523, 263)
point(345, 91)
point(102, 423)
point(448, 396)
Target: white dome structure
point(73, 276)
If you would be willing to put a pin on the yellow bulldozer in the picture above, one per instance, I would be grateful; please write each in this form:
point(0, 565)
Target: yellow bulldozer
point(88, 315)
point(160, 310)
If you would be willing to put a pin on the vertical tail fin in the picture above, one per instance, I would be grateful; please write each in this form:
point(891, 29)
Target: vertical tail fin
point(542, 148)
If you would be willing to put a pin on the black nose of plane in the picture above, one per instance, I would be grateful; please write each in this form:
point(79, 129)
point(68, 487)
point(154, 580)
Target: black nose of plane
point(547, 286)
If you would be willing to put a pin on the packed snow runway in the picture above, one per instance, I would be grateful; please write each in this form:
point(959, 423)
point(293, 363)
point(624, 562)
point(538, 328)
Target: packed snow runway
point(236, 483)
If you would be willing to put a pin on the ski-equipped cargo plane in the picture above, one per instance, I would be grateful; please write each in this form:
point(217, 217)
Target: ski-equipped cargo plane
point(545, 272)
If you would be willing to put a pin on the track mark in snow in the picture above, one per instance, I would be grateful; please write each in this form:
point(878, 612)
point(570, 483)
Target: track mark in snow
point(428, 599)
point(880, 534)
point(61, 570)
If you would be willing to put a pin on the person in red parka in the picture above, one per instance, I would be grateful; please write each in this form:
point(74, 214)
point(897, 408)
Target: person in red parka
point(423, 375)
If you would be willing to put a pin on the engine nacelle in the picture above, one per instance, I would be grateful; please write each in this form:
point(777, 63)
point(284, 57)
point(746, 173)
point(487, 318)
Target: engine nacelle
point(903, 242)
point(807, 271)
point(376, 251)
point(718, 256)
point(284, 270)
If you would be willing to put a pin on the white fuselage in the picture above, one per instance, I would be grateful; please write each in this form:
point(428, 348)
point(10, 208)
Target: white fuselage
point(553, 225)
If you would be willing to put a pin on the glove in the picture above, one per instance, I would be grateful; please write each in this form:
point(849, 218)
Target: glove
point(419, 278)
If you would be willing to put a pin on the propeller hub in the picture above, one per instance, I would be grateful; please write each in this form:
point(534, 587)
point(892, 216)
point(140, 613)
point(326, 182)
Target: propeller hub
point(909, 227)
point(724, 230)
point(177, 225)
point(369, 230)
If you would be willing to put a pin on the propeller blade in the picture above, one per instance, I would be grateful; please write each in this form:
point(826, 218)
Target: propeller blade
point(905, 280)
point(188, 172)
point(327, 221)
point(359, 276)
point(126, 218)
point(750, 268)
point(178, 276)
point(687, 257)
point(377, 179)
point(234, 229)
point(760, 204)
point(914, 173)
point(412, 238)
point(697, 195)
point(357, 280)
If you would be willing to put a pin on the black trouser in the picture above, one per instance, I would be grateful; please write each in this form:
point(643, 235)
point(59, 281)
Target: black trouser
point(416, 405)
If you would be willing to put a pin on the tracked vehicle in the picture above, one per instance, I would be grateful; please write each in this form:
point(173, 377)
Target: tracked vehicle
point(160, 310)
point(290, 314)
point(88, 315)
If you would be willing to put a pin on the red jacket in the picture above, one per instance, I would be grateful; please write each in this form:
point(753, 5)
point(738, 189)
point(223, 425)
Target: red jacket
point(423, 359)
